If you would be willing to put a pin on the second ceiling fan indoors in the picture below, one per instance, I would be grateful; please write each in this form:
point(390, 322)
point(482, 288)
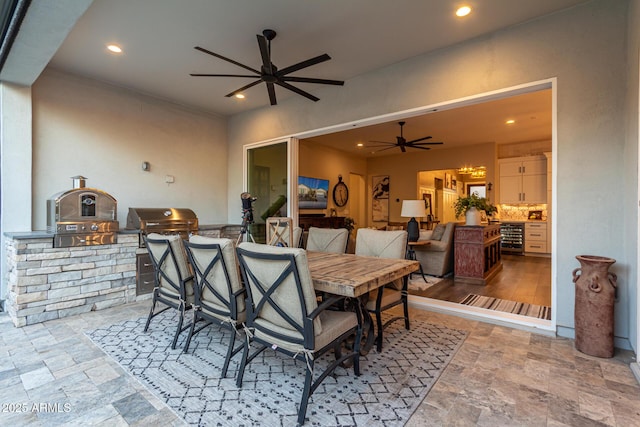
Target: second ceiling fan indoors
point(269, 73)
point(403, 144)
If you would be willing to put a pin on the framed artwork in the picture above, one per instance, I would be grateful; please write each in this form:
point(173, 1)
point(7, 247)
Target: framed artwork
point(447, 181)
point(454, 184)
point(380, 198)
point(427, 203)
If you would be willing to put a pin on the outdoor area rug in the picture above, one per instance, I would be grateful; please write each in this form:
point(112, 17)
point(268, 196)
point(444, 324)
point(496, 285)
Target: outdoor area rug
point(521, 308)
point(391, 385)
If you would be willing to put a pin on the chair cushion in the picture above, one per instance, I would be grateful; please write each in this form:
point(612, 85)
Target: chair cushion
point(332, 240)
point(216, 276)
point(267, 270)
point(156, 251)
point(438, 232)
point(334, 324)
point(383, 244)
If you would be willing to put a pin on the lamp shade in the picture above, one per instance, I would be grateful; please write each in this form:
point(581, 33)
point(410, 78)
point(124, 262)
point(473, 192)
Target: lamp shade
point(413, 208)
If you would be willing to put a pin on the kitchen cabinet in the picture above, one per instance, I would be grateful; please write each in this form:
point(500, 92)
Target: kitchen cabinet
point(535, 237)
point(523, 180)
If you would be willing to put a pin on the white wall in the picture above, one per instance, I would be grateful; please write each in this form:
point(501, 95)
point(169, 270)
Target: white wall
point(585, 49)
point(632, 219)
point(84, 127)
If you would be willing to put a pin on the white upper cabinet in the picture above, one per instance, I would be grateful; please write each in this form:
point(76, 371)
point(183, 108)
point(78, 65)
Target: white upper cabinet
point(523, 180)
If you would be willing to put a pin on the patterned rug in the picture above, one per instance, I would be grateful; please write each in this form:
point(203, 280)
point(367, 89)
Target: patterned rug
point(391, 385)
point(514, 307)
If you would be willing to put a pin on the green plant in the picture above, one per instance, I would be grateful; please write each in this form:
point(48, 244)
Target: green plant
point(463, 204)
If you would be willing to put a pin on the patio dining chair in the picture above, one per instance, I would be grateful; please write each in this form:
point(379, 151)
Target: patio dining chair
point(281, 232)
point(332, 240)
point(174, 281)
point(283, 314)
point(385, 244)
point(218, 292)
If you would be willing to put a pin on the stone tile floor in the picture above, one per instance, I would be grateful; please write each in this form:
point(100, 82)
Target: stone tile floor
point(51, 374)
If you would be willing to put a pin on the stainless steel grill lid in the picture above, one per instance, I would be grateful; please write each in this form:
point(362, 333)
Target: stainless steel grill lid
point(160, 220)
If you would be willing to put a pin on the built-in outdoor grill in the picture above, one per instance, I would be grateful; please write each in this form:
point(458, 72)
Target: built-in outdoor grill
point(162, 220)
point(157, 220)
point(82, 216)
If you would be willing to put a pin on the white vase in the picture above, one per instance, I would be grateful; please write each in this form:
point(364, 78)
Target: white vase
point(472, 216)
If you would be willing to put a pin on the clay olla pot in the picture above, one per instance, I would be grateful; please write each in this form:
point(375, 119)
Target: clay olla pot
point(595, 299)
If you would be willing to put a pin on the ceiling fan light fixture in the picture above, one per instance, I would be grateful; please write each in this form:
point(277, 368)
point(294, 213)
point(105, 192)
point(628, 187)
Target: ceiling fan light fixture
point(463, 11)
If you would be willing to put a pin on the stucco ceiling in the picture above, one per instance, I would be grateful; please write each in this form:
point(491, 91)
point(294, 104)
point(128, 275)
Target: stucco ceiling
point(158, 39)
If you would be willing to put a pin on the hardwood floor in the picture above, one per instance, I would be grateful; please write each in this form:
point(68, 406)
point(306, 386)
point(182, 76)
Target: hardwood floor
point(523, 279)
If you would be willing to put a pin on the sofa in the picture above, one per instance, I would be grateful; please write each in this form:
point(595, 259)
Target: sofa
point(437, 257)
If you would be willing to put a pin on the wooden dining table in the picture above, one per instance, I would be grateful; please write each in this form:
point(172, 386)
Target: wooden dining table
point(354, 276)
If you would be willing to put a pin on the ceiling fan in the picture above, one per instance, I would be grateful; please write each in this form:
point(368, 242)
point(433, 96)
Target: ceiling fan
point(269, 73)
point(403, 143)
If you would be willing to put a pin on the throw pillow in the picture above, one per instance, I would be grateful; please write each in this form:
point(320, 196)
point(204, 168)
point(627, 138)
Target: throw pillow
point(438, 232)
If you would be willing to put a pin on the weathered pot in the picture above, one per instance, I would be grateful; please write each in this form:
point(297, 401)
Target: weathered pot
point(472, 217)
point(595, 299)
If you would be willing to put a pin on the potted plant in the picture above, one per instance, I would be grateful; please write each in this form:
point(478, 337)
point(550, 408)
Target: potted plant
point(471, 205)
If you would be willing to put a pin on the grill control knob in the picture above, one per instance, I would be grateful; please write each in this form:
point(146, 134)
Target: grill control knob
point(94, 227)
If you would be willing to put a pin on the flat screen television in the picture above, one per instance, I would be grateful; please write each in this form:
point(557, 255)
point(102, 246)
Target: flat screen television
point(312, 193)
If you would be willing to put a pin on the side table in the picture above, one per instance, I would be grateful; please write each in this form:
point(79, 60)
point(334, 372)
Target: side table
point(411, 254)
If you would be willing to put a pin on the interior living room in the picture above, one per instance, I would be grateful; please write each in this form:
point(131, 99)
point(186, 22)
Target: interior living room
point(492, 123)
point(169, 106)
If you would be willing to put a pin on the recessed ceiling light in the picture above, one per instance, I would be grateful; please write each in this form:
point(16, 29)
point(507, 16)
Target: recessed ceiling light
point(239, 95)
point(463, 11)
point(114, 48)
point(359, 144)
point(510, 121)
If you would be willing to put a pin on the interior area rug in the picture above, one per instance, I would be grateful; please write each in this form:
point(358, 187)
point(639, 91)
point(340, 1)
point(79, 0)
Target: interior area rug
point(521, 308)
point(417, 283)
point(391, 385)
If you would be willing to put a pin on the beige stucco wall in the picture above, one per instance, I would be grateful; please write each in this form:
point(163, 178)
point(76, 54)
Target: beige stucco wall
point(83, 127)
point(590, 67)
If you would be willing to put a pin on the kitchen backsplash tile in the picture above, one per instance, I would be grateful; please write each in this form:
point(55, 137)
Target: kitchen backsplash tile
point(520, 212)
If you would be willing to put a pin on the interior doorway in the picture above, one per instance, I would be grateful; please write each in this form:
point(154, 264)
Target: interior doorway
point(343, 138)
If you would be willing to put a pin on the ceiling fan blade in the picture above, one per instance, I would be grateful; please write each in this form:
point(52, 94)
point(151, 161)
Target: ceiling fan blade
point(311, 80)
point(201, 49)
point(272, 93)
point(243, 88)
point(419, 139)
point(303, 64)
point(404, 150)
point(428, 143)
point(222, 75)
point(419, 147)
point(265, 54)
point(298, 91)
point(385, 149)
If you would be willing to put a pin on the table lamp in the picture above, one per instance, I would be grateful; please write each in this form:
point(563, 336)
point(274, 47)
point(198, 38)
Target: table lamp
point(413, 209)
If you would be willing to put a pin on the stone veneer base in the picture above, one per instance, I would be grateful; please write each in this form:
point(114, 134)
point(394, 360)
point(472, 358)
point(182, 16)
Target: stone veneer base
point(47, 283)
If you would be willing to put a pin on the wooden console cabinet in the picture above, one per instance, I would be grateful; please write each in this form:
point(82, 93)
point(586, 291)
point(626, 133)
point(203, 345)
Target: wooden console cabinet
point(477, 257)
point(320, 221)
